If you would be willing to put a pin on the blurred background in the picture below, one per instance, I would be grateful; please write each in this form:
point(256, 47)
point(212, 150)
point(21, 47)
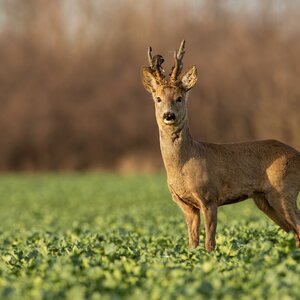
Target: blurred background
point(70, 90)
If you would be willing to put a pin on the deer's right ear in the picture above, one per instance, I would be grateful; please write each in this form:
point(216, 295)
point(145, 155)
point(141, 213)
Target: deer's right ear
point(189, 78)
point(148, 80)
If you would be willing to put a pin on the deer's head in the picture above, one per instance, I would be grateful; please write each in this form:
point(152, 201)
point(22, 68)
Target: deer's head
point(169, 95)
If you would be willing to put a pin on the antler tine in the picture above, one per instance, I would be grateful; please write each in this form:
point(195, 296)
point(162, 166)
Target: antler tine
point(150, 56)
point(181, 50)
point(155, 65)
point(178, 64)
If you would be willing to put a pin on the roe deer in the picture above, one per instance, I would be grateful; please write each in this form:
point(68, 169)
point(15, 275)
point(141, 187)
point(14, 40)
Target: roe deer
point(202, 176)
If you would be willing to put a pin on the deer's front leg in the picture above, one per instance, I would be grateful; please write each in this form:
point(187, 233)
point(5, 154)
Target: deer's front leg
point(192, 218)
point(210, 219)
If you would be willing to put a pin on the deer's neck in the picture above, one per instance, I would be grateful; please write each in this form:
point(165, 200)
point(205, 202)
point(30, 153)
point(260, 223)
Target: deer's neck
point(176, 145)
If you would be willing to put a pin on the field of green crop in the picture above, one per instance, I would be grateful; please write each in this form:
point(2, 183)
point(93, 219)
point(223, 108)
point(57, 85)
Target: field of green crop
point(96, 236)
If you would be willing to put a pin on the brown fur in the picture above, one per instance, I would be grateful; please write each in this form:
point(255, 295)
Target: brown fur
point(202, 176)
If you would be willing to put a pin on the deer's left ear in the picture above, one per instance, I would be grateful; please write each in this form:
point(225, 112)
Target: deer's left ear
point(148, 80)
point(189, 78)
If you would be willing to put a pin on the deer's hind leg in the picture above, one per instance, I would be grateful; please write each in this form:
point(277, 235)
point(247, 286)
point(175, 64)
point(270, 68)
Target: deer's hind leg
point(285, 203)
point(263, 204)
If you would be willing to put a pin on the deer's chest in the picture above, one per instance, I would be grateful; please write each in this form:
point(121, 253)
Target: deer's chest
point(190, 182)
point(177, 185)
point(182, 195)
point(186, 190)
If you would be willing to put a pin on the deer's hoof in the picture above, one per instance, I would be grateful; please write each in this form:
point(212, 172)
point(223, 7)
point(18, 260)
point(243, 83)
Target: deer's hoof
point(210, 247)
point(194, 245)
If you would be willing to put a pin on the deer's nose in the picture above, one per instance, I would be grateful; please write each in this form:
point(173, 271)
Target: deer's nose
point(168, 116)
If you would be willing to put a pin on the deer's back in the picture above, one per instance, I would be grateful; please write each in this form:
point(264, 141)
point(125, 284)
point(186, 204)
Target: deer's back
point(225, 172)
point(248, 155)
point(256, 165)
point(237, 170)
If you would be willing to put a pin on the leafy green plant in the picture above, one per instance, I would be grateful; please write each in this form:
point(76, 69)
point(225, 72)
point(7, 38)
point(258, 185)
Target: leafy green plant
point(104, 236)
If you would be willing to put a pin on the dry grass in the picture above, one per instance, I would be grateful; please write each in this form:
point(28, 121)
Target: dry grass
point(70, 91)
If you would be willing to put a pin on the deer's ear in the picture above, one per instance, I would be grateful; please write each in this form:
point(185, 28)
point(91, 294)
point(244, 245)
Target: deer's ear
point(148, 80)
point(189, 78)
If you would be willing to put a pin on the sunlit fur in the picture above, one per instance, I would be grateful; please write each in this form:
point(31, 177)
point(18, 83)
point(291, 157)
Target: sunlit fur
point(202, 176)
point(169, 96)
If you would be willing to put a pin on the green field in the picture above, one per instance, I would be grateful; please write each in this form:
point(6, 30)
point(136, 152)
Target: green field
point(96, 236)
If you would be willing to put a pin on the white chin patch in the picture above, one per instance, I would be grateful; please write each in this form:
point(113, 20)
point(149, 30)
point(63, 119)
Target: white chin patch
point(169, 122)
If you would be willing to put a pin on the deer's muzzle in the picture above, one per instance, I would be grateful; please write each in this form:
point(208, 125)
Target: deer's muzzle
point(169, 117)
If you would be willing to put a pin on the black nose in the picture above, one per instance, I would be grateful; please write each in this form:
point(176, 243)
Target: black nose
point(169, 116)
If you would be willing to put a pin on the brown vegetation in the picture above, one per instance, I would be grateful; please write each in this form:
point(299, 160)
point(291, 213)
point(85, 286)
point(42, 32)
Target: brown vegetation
point(70, 91)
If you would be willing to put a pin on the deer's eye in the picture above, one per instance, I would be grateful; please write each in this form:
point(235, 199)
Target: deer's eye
point(158, 99)
point(179, 99)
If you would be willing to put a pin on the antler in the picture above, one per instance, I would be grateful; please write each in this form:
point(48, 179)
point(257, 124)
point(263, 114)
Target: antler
point(155, 65)
point(178, 64)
